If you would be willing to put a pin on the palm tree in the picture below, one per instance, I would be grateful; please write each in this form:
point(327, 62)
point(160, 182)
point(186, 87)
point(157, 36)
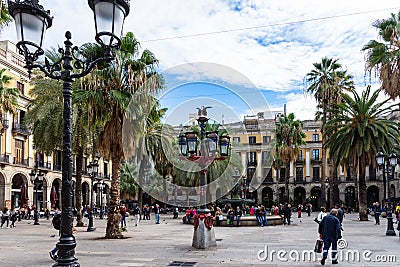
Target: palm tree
point(325, 82)
point(5, 17)
point(384, 56)
point(109, 92)
point(129, 175)
point(361, 128)
point(8, 96)
point(289, 138)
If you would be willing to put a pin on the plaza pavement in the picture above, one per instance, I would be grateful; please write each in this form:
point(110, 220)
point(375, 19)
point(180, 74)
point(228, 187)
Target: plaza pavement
point(159, 245)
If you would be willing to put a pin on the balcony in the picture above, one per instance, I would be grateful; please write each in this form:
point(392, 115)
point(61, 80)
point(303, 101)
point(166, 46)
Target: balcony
point(299, 161)
point(299, 179)
point(57, 167)
point(316, 161)
point(4, 158)
point(268, 180)
point(252, 163)
point(20, 129)
point(43, 165)
point(316, 179)
point(21, 161)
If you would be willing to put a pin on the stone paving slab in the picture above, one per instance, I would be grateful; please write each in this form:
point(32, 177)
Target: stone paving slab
point(159, 245)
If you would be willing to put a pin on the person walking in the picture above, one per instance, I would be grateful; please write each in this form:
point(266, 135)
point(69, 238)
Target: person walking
point(122, 211)
point(239, 214)
point(13, 216)
point(321, 214)
point(299, 208)
point(377, 212)
point(329, 231)
point(157, 212)
point(287, 213)
point(5, 217)
point(136, 213)
point(340, 215)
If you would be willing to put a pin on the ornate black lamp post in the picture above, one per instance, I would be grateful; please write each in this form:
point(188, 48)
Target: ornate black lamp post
point(5, 125)
point(37, 180)
point(101, 188)
point(388, 164)
point(92, 171)
point(31, 23)
point(203, 236)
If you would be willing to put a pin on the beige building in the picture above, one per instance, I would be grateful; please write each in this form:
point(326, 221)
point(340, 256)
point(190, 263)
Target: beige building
point(253, 139)
point(18, 156)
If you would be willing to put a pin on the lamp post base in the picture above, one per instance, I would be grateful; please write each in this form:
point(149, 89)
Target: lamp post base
point(203, 237)
point(91, 228)
point(390, 229)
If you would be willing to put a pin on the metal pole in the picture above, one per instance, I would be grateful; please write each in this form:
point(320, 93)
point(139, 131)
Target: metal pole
point(390, 229)
point(36, 215)
point(203, 172)
point(91, 228)
point(101, 201)
point(66, 245)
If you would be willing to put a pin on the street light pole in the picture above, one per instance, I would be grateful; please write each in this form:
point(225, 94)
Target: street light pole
point(386, 163)
point(32, 20)
point(92, 171)
point(101, 186)
point(203, 235)
point(36, 178)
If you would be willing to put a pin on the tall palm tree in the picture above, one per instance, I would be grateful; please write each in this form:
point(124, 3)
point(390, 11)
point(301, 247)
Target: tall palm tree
point(109, 92)
point(325, 82)
point(5, 17)
point(129, 175)
point(289, 138)
point(8, 96)
point(361, 128)
point(384, 56)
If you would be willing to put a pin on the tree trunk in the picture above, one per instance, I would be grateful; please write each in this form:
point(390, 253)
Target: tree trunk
point(114, 216)
point(78, 185)
point(362, 192)
point(78, 171)
point(141, 175)
point(287, 177)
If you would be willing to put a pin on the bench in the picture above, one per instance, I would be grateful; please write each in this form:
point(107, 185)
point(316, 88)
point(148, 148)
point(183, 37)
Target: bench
point(250, 220)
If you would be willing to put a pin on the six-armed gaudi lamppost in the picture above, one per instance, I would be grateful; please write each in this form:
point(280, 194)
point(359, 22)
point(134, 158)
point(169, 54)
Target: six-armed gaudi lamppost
point(203, 235)
point(385, 162)
point(31, 22)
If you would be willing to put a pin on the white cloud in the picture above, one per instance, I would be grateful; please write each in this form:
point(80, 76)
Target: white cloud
point(275, 57)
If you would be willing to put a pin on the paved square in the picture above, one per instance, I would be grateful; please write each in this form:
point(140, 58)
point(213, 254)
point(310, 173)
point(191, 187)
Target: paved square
point(169, 244)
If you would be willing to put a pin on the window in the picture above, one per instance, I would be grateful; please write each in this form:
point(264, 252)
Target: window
point(84, 165)
point(236, 139)
point(299, 174)
point(264, 157)
point(300, 156)
point(250, 174)
point(372, 174)
point(315, 137)
point(105, 169)
point(315, 172)
point(252, 157)
point(282, 175)
point(57, 160)
point(20, 87)
point(252, 139)
point(266, 139)
point(315, 154)
point(19, 151)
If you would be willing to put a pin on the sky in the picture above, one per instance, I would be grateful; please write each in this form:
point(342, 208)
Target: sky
point(240, 57)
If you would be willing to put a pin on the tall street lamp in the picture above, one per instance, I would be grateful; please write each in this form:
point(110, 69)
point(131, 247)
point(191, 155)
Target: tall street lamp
point(92, 171)
point(101, 188)
point(37, 180)
point(388, 164)
point(32, 20)
point(203, 235)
